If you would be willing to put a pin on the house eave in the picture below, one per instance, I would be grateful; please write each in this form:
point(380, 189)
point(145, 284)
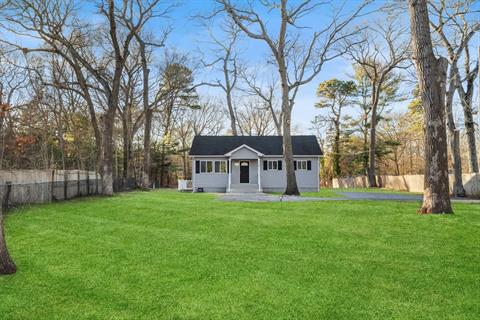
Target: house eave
point(228, 154)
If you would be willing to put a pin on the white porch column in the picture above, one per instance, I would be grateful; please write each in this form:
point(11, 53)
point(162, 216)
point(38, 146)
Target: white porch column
point(259, 180)
point(229, 174)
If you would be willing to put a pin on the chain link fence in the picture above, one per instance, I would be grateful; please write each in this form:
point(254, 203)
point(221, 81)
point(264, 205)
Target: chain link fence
point(20, 187)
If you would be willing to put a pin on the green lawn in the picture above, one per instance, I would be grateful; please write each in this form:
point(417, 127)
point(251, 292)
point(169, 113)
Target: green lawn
point(169, 255)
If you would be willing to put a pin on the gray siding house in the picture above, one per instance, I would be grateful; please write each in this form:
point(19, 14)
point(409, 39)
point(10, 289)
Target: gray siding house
point(252, 164)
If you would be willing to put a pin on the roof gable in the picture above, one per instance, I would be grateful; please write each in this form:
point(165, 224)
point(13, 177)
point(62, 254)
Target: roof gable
point(266, 145)
point(244, 146)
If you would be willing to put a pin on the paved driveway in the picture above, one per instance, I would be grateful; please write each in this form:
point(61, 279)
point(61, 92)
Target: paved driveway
point(344, 196)
point(263, 197)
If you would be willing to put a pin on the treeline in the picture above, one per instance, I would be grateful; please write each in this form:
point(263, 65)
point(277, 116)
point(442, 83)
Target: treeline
point(112, 96)
point(374, 123)
point(98, 87)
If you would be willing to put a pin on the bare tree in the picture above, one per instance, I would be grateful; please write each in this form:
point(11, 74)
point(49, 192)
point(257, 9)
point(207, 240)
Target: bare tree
point(379, 50)
point(266, 91)
point(146, 44)
point(431, 73)
point(129, 110)
point(254, 120)
point(12, 82)
point(454, 47)
point(207, 120)
point(455, 32)
point(55, 24)
point(298, 63)
point(226, 58)
point(466, 99)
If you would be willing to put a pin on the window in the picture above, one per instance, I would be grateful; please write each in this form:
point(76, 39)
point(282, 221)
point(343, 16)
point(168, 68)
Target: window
point(303, 165)
point(209, 166)
point(220, 166)
point(272, 165)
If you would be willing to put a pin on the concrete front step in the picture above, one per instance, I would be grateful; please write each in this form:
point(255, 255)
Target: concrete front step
point(244, 188)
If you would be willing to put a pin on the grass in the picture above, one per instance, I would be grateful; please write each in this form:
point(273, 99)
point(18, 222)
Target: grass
point(169, 255)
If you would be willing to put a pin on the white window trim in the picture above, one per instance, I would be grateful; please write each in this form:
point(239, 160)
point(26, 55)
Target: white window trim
point(213, 167)
point(272, 165)
point(299, 166)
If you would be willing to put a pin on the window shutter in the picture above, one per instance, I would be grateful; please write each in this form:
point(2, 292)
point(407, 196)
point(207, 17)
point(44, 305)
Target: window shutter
point(295, 165)
point(309, 165)
point(265, 165)
point(228, 166)
point(197, 166)
point(279, 165)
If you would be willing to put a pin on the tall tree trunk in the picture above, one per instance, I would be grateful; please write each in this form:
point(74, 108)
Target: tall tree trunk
point(454, 137)
point(125, 150)
point(277, 120)
point(228, 91)
point(365, 150)
point(107, 159)
point(372, 181)
point(336, 150)
point(148, 115)
point(292, 188)
point(430, 73)
point(231, 112)
point(467, 104)
point(7, 266)
point(162, 165)
point(91, 110)
point(147, 149)
point(454, 141)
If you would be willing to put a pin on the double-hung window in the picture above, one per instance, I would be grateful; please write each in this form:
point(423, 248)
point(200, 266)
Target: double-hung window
point(302, 165)
point(272, 165)
point(220, 166)
point(211, 166)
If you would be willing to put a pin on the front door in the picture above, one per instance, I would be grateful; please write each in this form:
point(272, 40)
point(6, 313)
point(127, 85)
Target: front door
point(244, 172)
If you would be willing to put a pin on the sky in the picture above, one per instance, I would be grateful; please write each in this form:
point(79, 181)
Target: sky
point(191, 36)
point(188, 36)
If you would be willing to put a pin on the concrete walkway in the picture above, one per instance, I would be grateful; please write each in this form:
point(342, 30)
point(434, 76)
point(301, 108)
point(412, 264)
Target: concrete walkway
point(347, 196)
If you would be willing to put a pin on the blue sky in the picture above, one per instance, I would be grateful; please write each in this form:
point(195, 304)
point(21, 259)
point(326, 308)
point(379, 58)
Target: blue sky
point(190, 35)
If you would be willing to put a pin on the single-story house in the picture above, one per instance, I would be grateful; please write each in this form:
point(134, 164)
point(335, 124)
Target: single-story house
point(252, 163)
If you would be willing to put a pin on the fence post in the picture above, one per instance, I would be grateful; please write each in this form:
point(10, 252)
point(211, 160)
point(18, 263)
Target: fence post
point(52, 189)
point(6, 197)
point(79, 192)
point(65, 185)
point(88, 183)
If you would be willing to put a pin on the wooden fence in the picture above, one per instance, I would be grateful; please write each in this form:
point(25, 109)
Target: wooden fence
point(412, 183)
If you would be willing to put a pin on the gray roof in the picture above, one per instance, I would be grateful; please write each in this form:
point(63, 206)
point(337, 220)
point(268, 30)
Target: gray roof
point(268, 145)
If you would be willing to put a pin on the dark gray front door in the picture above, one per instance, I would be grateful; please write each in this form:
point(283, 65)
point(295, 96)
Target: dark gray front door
point(244, 172)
